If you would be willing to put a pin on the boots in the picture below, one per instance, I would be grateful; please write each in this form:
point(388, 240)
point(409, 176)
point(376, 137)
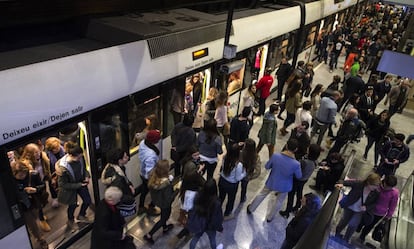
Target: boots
point(44, 226)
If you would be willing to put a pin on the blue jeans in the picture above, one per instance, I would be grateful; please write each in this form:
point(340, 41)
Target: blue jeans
point(350, 218)
point(211, 236)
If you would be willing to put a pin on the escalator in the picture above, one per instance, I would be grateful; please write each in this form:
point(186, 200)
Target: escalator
point(398, 235)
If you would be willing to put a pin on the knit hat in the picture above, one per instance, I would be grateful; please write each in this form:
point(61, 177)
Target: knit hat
point(153, 136)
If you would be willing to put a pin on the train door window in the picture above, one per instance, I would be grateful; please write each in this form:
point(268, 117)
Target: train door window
point(188, 94)
point(35, 164)
point(291, 44)
point(144, 114)
point(311, 36)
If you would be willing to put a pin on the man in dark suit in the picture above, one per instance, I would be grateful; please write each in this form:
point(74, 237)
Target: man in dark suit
point(366, 104)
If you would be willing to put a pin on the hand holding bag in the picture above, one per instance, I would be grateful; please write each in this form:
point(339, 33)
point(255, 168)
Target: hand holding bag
point(379, 230)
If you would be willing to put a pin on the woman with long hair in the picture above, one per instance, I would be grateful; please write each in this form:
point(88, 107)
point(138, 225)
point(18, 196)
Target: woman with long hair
point(209, 144)
point(315, 99)
point(41, 163)
point(230, 176)
point(292, 104)
point(311, 204)
point(149, 123)
point(206, 216)
point(251, 164)
point(162, 196)
point(209, 104)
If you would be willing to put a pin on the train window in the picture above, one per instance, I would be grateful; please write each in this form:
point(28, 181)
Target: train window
point(144, 114)
point(310, 37)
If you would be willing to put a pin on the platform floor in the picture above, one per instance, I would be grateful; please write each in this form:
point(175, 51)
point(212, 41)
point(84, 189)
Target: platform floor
point(253, 232)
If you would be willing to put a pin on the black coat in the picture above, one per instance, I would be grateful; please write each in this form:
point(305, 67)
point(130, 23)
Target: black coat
point(365, 108)
point(356, 193)
point(354, 85)
point(377, 129)
point(108, 228)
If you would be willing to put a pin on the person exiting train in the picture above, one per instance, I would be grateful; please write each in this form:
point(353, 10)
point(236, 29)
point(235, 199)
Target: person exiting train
point(73, 181)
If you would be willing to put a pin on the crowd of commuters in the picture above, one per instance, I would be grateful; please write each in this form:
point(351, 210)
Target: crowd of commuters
point(195, 151)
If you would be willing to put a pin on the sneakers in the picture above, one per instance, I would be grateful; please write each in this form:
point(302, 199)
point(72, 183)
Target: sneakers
point(167, 228)
point(44, 226)
point(219, 246)
point(55, 203)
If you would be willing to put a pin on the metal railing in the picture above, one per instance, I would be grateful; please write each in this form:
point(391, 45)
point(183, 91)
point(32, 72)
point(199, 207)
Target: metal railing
point(317, 234)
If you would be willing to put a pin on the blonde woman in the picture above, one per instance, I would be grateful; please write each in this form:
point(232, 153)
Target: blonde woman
point(162, 195)
point(209, 105)
point(40, 163)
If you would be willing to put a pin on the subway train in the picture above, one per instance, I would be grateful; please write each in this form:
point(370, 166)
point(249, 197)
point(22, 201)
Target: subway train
point(102, 97)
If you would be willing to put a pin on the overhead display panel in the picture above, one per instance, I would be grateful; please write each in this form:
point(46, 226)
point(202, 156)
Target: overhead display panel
point(397, 63)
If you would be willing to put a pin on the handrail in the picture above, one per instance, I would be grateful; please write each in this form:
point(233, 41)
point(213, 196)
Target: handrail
point(317, 234)
point(401, 227)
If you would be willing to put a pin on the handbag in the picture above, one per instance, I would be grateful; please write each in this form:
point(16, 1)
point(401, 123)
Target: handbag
point(379, 231)
point(183, 217)
point(41, 198)
point(127, 206)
